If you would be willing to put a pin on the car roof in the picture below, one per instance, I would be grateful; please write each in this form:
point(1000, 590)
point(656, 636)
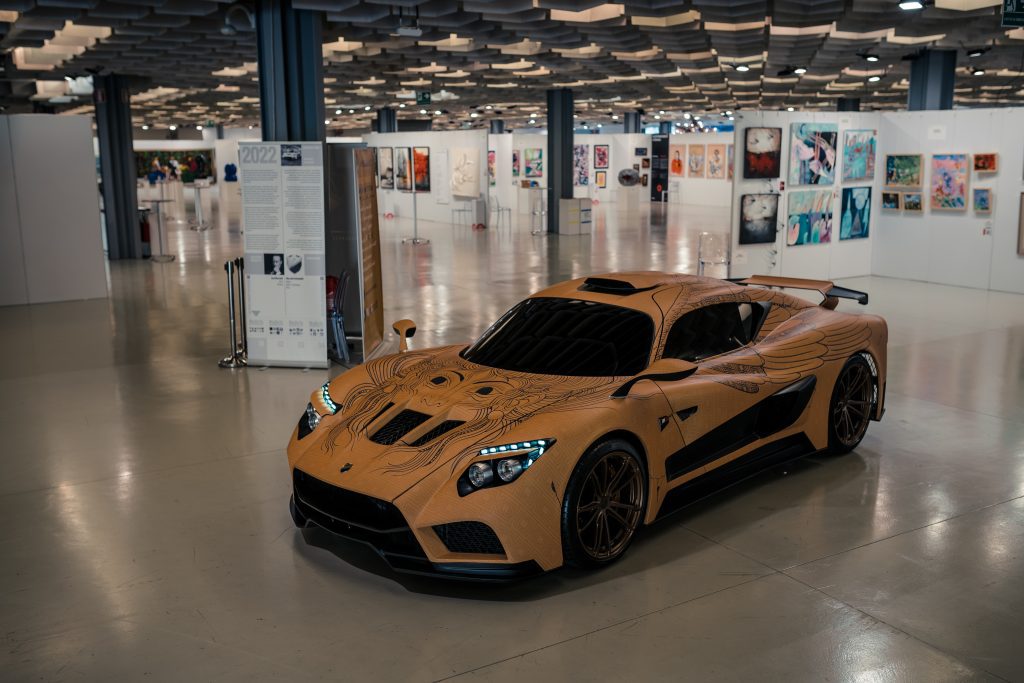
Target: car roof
point(635, 289)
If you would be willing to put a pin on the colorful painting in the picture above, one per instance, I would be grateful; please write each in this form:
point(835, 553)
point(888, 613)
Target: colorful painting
point(716, 161)
point(858, 155)
point(640, 151)
point(982, 200)
point(812, 153)
point(601, 156)
point(581, 165)
point(676, 160)
point(986, 163)
point(909, 201)
point(386, 168)
point(730, 156)
point(601, 178)
point(950, 173)
point(492, 168)
point(810, 217)
point(759, 215)
point(645, 162)
point(533, 160)
point(904, 170)
point(403, 169)
point(856, 213)
point(515, 163)
point(762, 152)
point(695, 161)
point(421, 168)
point(891, 201)
point(465, 172)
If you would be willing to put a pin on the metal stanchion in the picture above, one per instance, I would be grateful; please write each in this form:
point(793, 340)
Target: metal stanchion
point(233, 359)
point(243, 344)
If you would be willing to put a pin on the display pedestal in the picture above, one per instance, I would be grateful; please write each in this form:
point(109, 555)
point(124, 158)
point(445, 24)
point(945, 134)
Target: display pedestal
point(574, 216)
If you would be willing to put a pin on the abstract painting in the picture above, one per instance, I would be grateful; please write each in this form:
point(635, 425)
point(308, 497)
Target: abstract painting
point(515, 163)
point(601, 178)
point(903, 170)
point(911, 201)
point(982, 200)
point(533, 160)
point(695, 160)
point(403, 169)
point(891, 200)
point(856, 213)
point(581, 165)
point(465, 172)
point(762, 152)
point(986, 163)
point(492, 168)
point(421, 168)
point(640, 151)
point(716, 161)
point(676, 160)
point(643, 180)
point(729, 156)
point(386, 168)
point(810, 217)
point(759, 215)
point(601, 156)
point(858, 155)
point(812, 153)
point(645, 162)
point(950, 173)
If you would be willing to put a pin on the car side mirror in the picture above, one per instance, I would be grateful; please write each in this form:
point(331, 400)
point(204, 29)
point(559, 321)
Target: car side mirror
point(664, 370)
point(405, 329)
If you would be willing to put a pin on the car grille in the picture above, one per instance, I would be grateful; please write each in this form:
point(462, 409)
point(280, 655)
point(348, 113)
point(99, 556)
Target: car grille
point(469, 537)
point(399, 426)
point(443, 428)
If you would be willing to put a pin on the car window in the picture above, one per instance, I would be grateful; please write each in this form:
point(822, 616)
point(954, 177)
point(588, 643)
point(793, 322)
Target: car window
point(555, 336)
point(712, 330)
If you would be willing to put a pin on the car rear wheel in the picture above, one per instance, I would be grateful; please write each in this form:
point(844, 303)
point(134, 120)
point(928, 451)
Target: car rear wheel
point(604, 505)
point(850, 408)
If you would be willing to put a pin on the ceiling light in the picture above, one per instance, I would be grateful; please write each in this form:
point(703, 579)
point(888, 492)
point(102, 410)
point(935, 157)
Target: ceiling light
point(599, 125)
point(661, 111)
point(978, 72)
point(732, 118)
point(789, 108)
point(911, 5)
point(327, 122)
point(199, 127)
point(366, 108)
point(977, 52)
point(743, 67)
point(338, 112)
point(251, 126)
point(615, 117)
point(145, 126)
point(584, 126)
point(473, 115)
point(728, 112)
point(696, 118)
point(800, 70)
point(870, 57)
point(532, 121)
point(686, 116)
point(437, 112)
point(423, 111)
point(874, 79)
point(488, 107)
point(172, 127)
point(657, 116)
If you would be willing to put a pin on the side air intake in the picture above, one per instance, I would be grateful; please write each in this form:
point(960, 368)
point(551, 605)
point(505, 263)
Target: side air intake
point(443, 428)
point(399, 426)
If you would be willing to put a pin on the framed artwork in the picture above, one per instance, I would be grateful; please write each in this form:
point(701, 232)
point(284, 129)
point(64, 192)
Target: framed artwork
point(601, 156)
point(855, 216)
point(643, 180)
point(695, 161)
point(762, 152)
point(716, 161)
point(911, 201)
point(465, 172)
point(986, 163)
point(812, 153)
point(891, 201)
point(533, 162)
point(982, 200)
point(645, 162)
point(730, 156)
point(809, 218)
point(950, 173)
point(640, 151)
point(636, 167)
point(386, 167)
point(581, 165)
point(904, 170)
point(421, 168)
point(492, 170)
point(676, 160)
point(403, 169)
point(759, 216)
point(601, 178)
point(515, 163)
point(858, 155)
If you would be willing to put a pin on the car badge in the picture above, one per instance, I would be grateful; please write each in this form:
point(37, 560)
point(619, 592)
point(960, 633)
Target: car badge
point(346, 467)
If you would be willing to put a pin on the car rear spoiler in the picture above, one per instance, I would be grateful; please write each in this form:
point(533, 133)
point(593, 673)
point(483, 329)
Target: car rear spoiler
point(831, 293)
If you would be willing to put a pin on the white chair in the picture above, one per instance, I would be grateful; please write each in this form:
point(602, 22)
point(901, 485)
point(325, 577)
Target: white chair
point(463, 211)
point(496, 207)
point(713, 249)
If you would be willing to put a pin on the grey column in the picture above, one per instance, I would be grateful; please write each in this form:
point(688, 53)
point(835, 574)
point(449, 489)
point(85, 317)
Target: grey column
point(631, 123)
point(387, 120)
point(848, 104)
point(289, 53)
point(932, 76)
point(497, 126)
point(560, 132)
point(112, 100)
point(665, 128)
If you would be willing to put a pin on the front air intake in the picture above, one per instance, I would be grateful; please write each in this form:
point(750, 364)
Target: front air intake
point(469, 537)
point(399, 426)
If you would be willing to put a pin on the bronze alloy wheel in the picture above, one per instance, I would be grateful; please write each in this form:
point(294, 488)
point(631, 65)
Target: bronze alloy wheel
point(852, 401)
point(610, 506)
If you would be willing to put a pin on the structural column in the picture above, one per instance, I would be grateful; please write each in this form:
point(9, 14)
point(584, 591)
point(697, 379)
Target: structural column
point(111, 97)
point(631, 123)
point(848, 104)
point(560, 132)
point(290, 57)
point(387, 120)
point(497, 126)
point(932, 76)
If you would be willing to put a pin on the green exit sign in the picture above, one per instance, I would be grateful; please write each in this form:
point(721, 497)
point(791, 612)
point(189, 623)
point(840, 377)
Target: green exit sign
point(422, 97)
point(1013, 13)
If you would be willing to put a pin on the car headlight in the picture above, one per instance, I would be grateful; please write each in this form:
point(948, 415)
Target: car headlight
point(308, 421)
point(502, 464)
point(311, 416)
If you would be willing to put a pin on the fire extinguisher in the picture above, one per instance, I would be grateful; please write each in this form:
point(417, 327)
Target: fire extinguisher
point(332, 289)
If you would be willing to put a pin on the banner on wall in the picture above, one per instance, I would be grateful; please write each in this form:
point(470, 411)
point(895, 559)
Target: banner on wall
point(283, 217)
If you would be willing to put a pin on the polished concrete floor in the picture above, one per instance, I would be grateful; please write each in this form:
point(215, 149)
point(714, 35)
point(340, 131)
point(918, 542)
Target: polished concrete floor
point(145, 535)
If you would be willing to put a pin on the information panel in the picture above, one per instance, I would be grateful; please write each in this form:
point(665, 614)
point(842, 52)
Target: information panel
point(283, 218)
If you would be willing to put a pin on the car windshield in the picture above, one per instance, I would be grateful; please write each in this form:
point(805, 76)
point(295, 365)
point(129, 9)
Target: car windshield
point(554, 336)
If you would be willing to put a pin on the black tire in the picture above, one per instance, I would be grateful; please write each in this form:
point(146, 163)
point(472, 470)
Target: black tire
point(849, 411)
point(605, 503)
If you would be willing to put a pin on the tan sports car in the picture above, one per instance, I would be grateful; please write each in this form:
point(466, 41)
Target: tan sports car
point(589, 409)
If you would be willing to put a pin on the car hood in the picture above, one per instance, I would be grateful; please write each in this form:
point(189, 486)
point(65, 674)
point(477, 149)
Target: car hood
point(403, 417)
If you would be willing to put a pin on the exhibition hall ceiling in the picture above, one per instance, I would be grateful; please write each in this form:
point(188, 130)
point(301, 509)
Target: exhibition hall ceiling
point(495, 58)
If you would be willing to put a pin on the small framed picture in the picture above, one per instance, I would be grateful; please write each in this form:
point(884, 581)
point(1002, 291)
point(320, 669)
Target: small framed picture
point(911, 201)
point(640, 151)
point(643, 180)
point(636, 167)
point(986, 163)
point(982, 200)
point(645, 163)
point(891, 201)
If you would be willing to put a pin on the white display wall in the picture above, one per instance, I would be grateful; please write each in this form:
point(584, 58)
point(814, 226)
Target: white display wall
point(699, 191)
point(437, 204)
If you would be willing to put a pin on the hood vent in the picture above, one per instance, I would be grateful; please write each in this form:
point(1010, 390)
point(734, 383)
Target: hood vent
point(604, 285)
point(399, 426)
point(443, 428)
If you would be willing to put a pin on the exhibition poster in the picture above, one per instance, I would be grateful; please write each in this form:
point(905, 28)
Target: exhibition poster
point(283, 217)
point(369, 244)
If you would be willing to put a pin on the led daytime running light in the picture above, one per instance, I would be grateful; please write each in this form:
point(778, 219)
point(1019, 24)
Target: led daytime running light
point(325, 394)
point(540, 444)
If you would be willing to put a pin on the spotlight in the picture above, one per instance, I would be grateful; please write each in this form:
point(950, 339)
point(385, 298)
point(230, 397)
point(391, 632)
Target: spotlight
point(366, 108)
point(799, 70)
point(874, 79)
point(869, 57)
point(533, 121)
point(423, 111)
point(337, 112)
point(978, 72)
point(400, 106)
point(145, 126)
point(172, 127)
point(686, 116)
point(911, 5)
point(327, 122)
point(437, 112)
point(199, 127)
point(657, 116)
point(742, 67)
point(488, 107)
point(977, 52)
point(473, 115)
point(615, 117)
point(789, 109)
